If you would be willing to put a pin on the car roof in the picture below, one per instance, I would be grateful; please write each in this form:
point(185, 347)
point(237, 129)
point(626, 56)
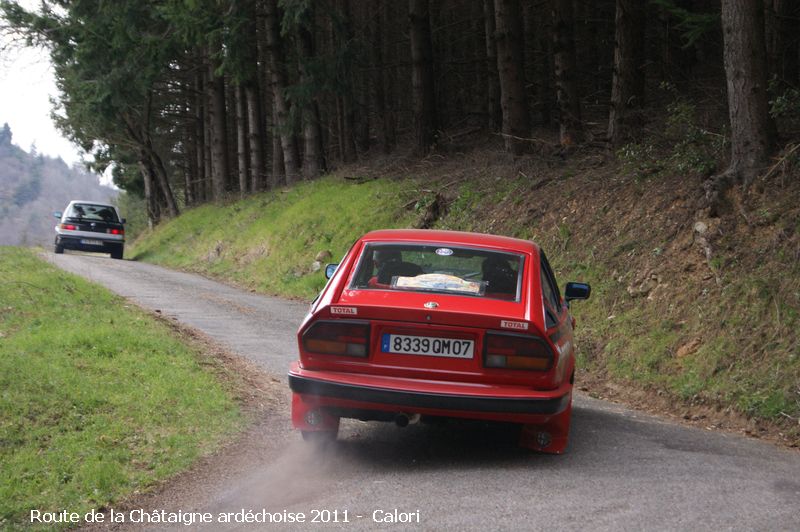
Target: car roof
point(92, 202)
point(451, 237)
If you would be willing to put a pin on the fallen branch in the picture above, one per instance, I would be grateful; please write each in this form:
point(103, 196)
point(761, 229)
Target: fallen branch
point(531, 139)
point(780, 161)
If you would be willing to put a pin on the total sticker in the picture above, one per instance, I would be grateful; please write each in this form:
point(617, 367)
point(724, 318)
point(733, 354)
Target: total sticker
point(517, 325)
point(349, 311)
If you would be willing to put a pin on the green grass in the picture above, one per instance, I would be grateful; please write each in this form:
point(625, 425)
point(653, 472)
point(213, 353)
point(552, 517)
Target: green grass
point(269, 241)
point(97, 399)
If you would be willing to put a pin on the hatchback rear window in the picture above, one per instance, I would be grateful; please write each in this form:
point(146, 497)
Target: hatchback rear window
point(439, 268)
point(88, 211)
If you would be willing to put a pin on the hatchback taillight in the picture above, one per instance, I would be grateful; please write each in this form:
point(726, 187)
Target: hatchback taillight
point(69, 227)
point(346, 338)
point(516, 351)
point(115, 231)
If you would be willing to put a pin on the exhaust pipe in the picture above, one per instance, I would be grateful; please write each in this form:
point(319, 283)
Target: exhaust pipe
point(403, 420)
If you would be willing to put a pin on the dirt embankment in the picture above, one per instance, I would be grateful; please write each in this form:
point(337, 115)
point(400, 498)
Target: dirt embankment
point(695, 306)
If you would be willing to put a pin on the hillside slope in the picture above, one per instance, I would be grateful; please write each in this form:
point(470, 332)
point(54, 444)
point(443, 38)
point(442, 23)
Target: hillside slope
point(701, 307)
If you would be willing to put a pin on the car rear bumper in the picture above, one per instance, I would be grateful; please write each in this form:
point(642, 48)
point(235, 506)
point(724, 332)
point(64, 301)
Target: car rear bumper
point(340, 391)
point(72, 242)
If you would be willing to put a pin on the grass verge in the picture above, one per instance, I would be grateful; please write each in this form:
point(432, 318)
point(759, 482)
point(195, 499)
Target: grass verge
point(97, 399)
point(268, 242)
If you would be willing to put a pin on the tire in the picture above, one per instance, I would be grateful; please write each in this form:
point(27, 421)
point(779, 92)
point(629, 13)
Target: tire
point(58, 249)
point(117, 253)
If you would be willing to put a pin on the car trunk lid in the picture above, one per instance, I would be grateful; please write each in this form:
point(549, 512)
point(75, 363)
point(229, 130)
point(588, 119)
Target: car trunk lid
point(454, 329)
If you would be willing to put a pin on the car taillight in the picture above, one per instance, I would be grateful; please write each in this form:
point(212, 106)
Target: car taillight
point(69, 227)
point(115, 231)
point(513, 351)
point(347, 338)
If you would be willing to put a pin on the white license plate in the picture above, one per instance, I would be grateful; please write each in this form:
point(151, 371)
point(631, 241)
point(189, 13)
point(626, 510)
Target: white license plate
point(92, 242)
point(427, 345)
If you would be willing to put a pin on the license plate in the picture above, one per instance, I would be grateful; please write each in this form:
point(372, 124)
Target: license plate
point(92, 242)
point(427, 345)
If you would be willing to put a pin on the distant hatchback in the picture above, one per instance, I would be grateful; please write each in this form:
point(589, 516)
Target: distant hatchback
point(418, 323)
point(90, 226)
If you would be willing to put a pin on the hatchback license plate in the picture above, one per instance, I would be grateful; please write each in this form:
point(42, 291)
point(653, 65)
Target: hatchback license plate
point(92, 242)
point(427, 345)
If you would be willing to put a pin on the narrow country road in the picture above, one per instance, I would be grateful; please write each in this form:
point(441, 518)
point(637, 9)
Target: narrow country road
point(624, 470)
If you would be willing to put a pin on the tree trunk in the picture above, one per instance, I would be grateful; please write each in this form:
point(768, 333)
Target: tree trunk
point(241, 140)
point(279, 83)
point(569, 105)
point(783, 40)
point(151, 205)
point(218, 126)
point(313, 156)
point(627, 91)
point(154, 164)
point(425, 119)
point(190, 155)
point(746, 73)
point(163, 181)
point(207, 163)
point(389, 75)
point(495, 113)
point(266, 105)
point(510, 66)
point(278, 169)
point(377, 64)
point(255, 135)
point(545, 70)
point(199, 136)
point(347, 137)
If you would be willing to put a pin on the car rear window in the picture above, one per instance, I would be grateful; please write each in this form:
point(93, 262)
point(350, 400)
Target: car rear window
point(89, 211)
point(439, 268)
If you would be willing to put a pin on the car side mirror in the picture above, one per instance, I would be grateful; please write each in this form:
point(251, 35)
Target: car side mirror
point(577, 291)
point(57, 214)
point(123, 221)
point(330, 269)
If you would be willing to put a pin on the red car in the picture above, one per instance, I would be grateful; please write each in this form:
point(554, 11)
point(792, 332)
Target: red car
point(439, 323)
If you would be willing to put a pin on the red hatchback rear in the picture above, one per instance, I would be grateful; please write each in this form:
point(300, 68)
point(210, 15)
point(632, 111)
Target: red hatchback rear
point(438, 323)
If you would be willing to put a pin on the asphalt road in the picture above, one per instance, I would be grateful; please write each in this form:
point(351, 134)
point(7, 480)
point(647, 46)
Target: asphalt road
point(624, 470)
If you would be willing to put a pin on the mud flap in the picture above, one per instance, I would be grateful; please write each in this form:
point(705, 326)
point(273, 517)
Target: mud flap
point(304, 409)
point(551, 437)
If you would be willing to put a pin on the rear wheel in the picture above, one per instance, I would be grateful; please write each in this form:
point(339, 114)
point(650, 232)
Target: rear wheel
point(551, 437)
point(58, 249)
point(117, 253)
